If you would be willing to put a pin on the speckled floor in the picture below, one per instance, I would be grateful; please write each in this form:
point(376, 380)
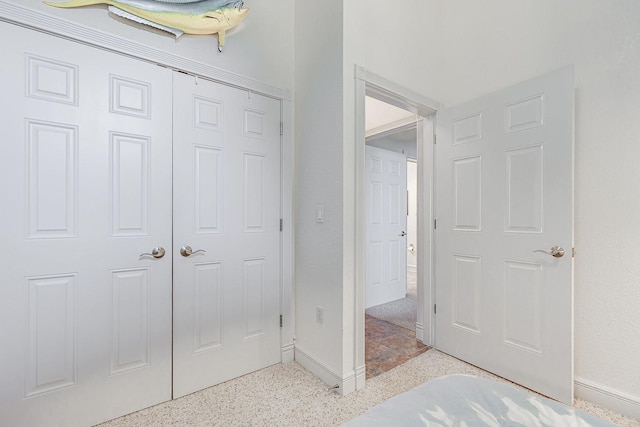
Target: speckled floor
point(288, 395)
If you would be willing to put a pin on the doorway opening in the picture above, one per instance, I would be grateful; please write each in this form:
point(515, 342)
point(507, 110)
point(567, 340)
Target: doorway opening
point(422, 111)
point(391, 236)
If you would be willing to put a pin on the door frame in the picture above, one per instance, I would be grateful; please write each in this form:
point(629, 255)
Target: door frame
point(12, 13)
point(371, 84)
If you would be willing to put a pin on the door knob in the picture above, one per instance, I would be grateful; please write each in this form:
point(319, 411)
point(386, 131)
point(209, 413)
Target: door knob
point(186, 251)
point(555, 251)
point(403, 234)
point(157, 252)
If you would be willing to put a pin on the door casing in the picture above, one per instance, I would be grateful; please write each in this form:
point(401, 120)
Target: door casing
point(370, 84)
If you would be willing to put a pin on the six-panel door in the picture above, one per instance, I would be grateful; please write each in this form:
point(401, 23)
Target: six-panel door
point(386, 218)
point(227, 212)
point(85, 320)
point(504, 171)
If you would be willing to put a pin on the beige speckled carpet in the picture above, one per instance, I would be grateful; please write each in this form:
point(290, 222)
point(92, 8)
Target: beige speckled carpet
point(288, 395)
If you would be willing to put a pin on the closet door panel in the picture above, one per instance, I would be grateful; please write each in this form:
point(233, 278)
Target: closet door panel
point(85, 161)
point(226, 232)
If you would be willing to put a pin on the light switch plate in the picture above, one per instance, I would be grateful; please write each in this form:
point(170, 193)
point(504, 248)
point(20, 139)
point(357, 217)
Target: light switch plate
point(319, 213)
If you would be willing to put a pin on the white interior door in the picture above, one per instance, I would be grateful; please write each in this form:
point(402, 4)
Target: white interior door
point(85, 324)
point(227, 210)
point(386, 218)
point(504, 173)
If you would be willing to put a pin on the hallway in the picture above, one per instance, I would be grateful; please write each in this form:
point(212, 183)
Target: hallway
point(390, 332)
point(388, 345)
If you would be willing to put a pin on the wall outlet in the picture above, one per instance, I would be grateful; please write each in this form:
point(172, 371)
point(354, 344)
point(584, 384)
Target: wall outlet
point(320, 315)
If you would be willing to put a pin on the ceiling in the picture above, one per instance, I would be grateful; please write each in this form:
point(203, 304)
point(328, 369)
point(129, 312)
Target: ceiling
point(379, 114)
point(380, 120)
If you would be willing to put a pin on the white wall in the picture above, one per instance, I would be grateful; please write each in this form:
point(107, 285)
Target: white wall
point(382, 38)
point(260, 48)
point(408, 148)
point(379, 114)
point(455, 50)
point(319, 163)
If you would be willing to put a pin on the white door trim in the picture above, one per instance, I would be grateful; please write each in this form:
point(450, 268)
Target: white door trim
point(368, 83)
point(39, 21)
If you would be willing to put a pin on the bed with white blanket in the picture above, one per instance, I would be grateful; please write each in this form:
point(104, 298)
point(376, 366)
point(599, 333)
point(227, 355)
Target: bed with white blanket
point(464, 400)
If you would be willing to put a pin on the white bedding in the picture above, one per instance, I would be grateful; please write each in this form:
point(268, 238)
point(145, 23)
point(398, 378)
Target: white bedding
point(463, 400)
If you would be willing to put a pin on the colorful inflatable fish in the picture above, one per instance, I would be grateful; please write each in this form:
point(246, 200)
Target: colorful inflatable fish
point(175, 16)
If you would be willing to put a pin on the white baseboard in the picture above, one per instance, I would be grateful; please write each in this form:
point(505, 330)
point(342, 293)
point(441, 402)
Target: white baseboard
point(348, 384)
point(361, 375)
point(419, 331)
point(288, 353)
point(343, 384)
point(608, 397)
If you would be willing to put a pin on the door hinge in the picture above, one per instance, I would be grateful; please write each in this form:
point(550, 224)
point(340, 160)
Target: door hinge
point(281, 224)
point(435, 139)
point(434, 309)
point(435, 223)
point(281, 320)
point(281, 128)
point(573, 252)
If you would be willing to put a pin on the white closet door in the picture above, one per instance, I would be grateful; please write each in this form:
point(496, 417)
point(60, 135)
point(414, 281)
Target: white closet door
point(504, 173)
point(227, 214)
point(85, 150)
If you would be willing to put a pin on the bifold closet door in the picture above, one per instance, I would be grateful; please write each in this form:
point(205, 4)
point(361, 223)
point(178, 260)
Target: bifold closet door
point(226, 233)
point(85, 161)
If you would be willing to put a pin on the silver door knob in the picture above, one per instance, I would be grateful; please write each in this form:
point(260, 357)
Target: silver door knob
point(157, 252)
point(186, 251)
point(555, 251)
point(402, 234)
